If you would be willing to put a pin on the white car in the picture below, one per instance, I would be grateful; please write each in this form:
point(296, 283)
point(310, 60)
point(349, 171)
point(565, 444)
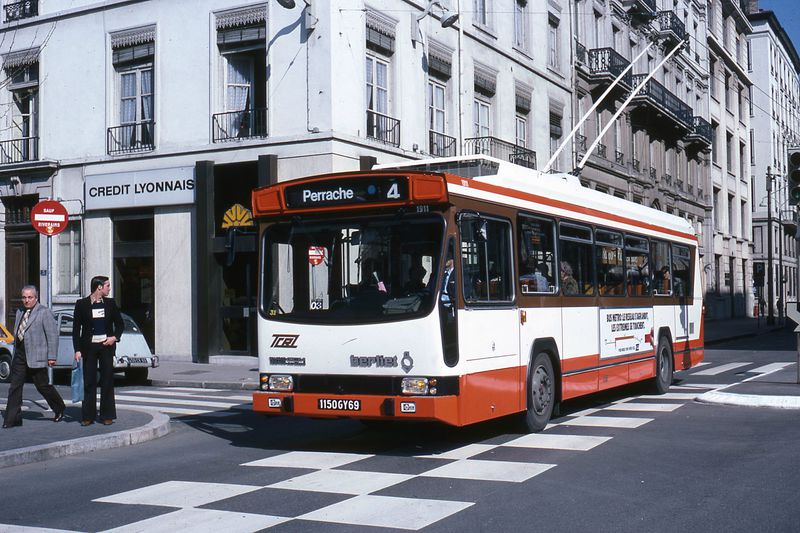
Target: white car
point(6, 353)
point(133, 355)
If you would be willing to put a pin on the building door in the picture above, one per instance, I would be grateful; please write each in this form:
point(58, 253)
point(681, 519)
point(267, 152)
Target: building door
point(22, 252)
point(134, 271)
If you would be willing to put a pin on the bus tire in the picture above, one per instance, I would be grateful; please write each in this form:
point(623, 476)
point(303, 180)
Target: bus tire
point(663, 379)
point(541, 393)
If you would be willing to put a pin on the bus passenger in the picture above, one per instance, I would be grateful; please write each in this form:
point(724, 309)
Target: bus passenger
point(416, 276)
point(448, 282)
point(568, 284)
point(540, 278)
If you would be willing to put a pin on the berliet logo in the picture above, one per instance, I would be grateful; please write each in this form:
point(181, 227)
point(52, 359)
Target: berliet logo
point(378, 361)
point(281, 340)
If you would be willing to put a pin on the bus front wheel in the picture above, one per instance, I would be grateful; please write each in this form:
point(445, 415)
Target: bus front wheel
point(541, 394)
point(663, 378)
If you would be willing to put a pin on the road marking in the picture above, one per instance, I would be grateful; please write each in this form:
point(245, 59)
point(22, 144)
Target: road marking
point(557, 442)
point(193, 389)
point(187, 395)
point(202, 521)
point(173, 401)
point(672, 396)
point(639, 407)
point(342, 482)
point(606, 422)
point(387, 511)
point(179, 494)
point(489, 470)
point(716, 370)
point(772, 367)
point(692, 386)
point(464, 452)
point(319, 460)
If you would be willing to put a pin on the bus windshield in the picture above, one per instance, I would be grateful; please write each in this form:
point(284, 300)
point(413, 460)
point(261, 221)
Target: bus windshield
point(358, 270)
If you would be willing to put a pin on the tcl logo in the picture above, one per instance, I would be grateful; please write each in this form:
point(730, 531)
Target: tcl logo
point(284, 341)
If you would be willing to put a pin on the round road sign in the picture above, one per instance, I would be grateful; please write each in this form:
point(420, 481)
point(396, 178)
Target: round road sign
point(49, 217)
point(315, 255)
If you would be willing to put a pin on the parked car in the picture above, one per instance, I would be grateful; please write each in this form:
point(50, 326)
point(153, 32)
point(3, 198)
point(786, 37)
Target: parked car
point(133, 355)
point(6, 353)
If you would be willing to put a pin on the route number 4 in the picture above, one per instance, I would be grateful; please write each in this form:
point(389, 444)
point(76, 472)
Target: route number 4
point(393, 193)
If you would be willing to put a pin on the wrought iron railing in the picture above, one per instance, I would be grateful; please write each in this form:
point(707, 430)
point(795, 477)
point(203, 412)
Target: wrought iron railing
point(608, 61)
point(383, 128)
point(641, 7)
point(667, 179)
point(619, 157)
point(500, 149)
point(441, 145)
point(662, 98)
point(669, 22)
point(701, 130)
point(653, 174)
point(234, 125)
point(21, 10)
point(601, 149)
point(581, 140)
point(131, 138)
point(636, 164)
point(19, 150)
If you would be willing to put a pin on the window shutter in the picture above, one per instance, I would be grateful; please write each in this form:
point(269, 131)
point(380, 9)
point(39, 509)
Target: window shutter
point(380, 33)
point(138, 44)
point(440, 61)
point(555, 125)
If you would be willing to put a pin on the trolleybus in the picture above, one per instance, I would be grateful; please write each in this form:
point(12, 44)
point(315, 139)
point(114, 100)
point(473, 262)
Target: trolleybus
point(464, 289)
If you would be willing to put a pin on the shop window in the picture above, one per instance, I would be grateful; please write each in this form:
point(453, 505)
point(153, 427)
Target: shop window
point(69, 259)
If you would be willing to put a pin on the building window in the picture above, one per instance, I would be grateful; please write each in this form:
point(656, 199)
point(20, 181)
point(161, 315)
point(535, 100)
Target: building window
point(712, 76)
point(436, 107)
point(481, 12)
point(481, 113)
point(380, 43)
point(521, 137)
point(241, 39)
point(133, 58)
point(521, 24)
point(22, 79)
point(729, 151)
point(553, 37)
point(556, 132)
point(69, 259)
point(714, 142)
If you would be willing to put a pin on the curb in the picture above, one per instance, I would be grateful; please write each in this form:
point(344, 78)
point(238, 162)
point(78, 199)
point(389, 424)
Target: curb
point(742, 336)
point(749, 400)
point(225, 385)
point(157, 427)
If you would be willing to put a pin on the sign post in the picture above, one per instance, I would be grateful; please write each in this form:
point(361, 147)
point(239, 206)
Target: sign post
point(49, 218)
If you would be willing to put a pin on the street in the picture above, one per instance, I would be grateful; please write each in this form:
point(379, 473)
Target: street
point(620, 461)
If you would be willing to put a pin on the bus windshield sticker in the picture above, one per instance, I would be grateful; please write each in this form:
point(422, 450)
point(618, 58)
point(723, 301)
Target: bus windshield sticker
point(625, 331)
point(353, 191)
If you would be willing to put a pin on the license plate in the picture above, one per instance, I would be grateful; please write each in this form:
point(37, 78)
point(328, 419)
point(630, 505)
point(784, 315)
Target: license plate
point(144, 360)
point(328, 404)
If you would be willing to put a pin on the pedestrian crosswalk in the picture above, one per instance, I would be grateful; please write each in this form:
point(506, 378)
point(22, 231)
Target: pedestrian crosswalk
point(183, 401)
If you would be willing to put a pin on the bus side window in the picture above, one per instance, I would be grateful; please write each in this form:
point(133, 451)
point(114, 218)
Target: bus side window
point(537, 254)
point(637, 265)
point(681, 271)
point(577, 260)
point(610, 272)
point(486, 259)
point(662, 271)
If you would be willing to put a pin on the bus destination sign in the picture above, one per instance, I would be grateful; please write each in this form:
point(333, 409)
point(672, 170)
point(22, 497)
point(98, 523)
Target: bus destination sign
point(352, 191)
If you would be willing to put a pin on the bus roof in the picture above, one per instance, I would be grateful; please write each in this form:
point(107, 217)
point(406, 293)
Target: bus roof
point(557, 188)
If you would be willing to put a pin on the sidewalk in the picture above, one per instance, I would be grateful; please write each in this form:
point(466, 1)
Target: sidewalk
point(40, 439)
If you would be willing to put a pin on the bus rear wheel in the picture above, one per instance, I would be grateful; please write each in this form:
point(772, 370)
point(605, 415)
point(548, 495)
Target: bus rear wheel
point(541, 394)
point(663, 379)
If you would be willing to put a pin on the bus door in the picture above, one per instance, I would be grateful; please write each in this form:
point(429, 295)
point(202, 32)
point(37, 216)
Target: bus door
point(488, 326)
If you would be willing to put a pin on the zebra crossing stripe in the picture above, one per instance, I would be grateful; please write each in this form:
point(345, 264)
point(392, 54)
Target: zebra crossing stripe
point(173, 401)
point(716, 370)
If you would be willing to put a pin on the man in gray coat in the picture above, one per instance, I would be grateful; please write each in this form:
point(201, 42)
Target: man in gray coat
point(35, 347)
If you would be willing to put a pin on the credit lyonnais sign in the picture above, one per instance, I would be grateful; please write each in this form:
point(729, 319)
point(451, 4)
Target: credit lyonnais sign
point(143, 188)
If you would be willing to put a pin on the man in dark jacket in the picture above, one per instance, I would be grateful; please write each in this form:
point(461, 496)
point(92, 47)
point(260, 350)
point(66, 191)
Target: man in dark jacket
point(96, 329)
point(35, 347)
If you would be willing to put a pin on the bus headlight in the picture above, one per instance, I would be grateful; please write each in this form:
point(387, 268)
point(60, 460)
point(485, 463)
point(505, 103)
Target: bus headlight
point(414, 386)
point(281, 383)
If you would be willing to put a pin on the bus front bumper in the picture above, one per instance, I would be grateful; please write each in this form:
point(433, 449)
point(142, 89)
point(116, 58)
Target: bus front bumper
point(421, 408)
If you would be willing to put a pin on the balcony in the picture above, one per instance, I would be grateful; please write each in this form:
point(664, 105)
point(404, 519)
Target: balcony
point(663, 102)
point(236, 125)
point(601, 150)
point(670, 27)
point(641, 10)
point(131, 138)
point(619, 157)
point(383, 128)
point(580, 140)
point(21, 10)
point(500, 149)
point(700, 133)
point(441, 145)
point(19, 150)
point(605, 64)
point(636, 165)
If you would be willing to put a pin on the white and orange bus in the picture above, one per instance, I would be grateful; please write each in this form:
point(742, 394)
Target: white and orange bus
point(464, 289)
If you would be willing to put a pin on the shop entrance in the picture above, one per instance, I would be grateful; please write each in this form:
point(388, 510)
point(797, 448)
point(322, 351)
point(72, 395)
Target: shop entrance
point(22, 252)
point(134, 271)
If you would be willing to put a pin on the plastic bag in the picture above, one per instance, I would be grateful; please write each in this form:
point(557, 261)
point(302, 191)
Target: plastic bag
point(77, 382)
